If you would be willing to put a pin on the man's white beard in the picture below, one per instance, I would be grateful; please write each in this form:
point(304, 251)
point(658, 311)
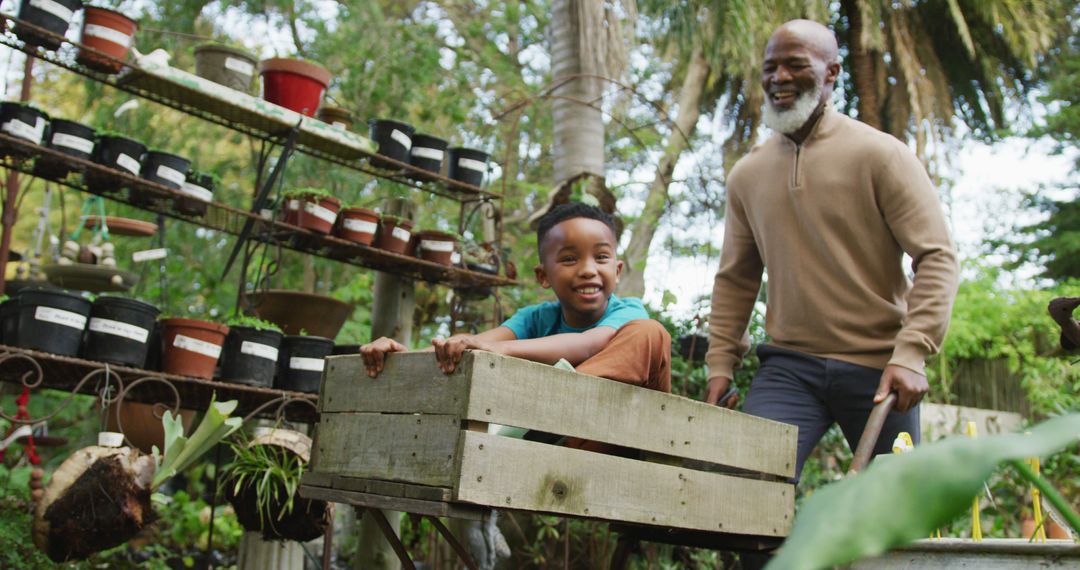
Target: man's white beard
point(791, 120)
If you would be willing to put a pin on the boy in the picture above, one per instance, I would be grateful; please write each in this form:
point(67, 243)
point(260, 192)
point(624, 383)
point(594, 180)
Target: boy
point(593, 329)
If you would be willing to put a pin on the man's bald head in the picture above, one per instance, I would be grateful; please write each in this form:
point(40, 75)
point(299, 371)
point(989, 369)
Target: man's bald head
point(798, 74)
point(812, 34)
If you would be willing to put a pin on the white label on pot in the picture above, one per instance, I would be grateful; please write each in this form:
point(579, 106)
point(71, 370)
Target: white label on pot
point(108, 34)
point(55, 8)
point(195, 345)
point(340, 125)
point(472, 164)
point(294, 204)
point(110, 439)
point(240, 66)
point(313, 364)
point(171, 174)
point(257, 349)
point(400, 233)
point(117, 328)
point(431, 245)
point(149, 254)
point(424, 152)
point(196, 191)
point(402, 138)
point(128, 163)
point(360, 226)
point(60, 317)
point(320, 212)
point(17, 128)
point(73, 142)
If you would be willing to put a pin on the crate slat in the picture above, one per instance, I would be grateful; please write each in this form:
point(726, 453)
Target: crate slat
point(410, 383)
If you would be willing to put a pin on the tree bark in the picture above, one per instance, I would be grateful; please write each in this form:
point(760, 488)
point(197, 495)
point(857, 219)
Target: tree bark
point(863, 61)
point(636, 256)
point(579, 127)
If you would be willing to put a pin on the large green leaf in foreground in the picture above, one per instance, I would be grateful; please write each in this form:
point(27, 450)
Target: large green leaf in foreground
point(902, 498)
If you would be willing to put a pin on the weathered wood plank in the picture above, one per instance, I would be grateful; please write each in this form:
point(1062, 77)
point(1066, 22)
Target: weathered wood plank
point(526, 394)
point(509, 473)
point(411, 448)
point(410, 383)
point(417, 506)
point(393, 489)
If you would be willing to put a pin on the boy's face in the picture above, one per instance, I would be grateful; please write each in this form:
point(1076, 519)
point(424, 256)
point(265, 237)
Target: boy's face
point(578, 262)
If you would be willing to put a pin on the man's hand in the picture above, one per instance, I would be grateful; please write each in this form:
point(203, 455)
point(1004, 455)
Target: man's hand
point(910, 387)
point(374, 354)
point(718, 386)
point(448, 351)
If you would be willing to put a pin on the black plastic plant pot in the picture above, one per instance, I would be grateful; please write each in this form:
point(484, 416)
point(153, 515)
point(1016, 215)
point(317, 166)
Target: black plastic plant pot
point(338, 348)
point(166, 169)
point(198, 191)
point(22, 122)
point(303, 358)
point(467, 165)
point(9, 322)
point(53, 15)
point(71, 138)
point(154, 348)
point(119, 331)
point(250, 356)
point(426, 154)
point(394, 139)
point(117, 153)
point(51, 321)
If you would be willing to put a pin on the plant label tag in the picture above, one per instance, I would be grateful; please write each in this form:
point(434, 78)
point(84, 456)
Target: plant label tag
point(171, 174)
point(73, 142)
point(431, 245)
point(149, 255)
point(320, 212)
point(195, 345)
point(472, 164)
point(55, 8)
point(402, 139)
point(197, 192)
point(400, 233)
point(60, 317)
point(359, 226)
point(312, 364)
point(129, 164)
point(260, 350)
point(424, 152)
point(117, 328)
point(240, 66)
point(294, 204)
point(108, 34)
point(339, 125)
point(19, 129)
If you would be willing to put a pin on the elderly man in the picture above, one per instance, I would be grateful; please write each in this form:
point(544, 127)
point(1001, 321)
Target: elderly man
point(828, 206)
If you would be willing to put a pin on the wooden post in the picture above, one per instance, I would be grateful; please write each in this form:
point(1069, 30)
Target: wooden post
point(391, 316)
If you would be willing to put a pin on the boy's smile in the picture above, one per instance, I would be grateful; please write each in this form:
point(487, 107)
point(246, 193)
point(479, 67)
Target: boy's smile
point(578, 263)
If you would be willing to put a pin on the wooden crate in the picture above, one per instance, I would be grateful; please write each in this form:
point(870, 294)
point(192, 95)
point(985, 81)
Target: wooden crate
point(415, 436)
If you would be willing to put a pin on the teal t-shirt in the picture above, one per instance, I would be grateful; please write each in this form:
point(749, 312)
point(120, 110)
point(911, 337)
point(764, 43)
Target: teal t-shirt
point(545, 319)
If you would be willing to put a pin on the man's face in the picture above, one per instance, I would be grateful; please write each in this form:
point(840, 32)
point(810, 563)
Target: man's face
point(578, 263)
point(796, 79)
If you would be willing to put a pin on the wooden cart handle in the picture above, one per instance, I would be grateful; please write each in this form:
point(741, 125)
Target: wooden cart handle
point(871, 432)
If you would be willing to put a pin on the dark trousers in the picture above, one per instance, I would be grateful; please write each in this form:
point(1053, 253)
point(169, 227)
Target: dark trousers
point(813, 393)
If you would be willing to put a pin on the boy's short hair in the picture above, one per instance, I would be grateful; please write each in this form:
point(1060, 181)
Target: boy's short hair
point(569, 211)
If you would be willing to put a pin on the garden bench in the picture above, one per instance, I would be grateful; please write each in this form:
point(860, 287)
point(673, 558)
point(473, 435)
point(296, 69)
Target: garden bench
point(417, 440)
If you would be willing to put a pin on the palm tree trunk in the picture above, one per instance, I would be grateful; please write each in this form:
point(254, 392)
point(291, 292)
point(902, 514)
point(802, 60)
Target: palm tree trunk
point(863, 61)
point(578, 126)
point(636, 256)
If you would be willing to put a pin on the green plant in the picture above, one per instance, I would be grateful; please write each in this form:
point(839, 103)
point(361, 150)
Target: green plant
point(272, 471)
point(252, 322)
point(307, 191)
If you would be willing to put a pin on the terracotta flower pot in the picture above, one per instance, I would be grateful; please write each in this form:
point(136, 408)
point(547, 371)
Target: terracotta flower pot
point(109, 32)
point(336, 117)
point(358, 225)
point(435, 246)
point(1053, 529)
point(316, 213)
point(394, 234)
point(231, 67)
point(191, 347)
point(294, 84)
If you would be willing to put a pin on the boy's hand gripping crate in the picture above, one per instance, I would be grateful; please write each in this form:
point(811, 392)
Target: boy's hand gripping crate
point(416, 440)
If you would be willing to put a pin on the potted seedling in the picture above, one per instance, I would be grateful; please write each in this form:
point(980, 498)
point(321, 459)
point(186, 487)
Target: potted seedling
point(250, 354)
point(191, 347)
point(394, 234)
point(426, 154)
point(198, 191)
point(68, 137)
point(119, 331)
point(467, 165)
point(109, 32)
point(118, 152)
point(54, 16)
point(357, 225)
point(164, 168)
point(262, 485)
point(437, 246)
point(226, 65)
point(303, 358)
point(294, 84)
point(24, 122)
point(51, 321)
point(312, 208)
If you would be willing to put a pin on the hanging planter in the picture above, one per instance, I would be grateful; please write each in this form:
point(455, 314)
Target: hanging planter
point(198, 191)
point(250, 353)
point(394, 234)
point(394, 139)
point(358, 225)
point(426, 154)
point(296, 311)
point(53, 15)
point(71, 138)
point(141, 425)
point(119, 331)
point(108, 32)
point(294, 84)
point(22, 122)
point(312, 208)
point(191, 347)
point(118, 153)
point(52, 321)
point(302, 361)
point(336, 117)
point(435, 246)
point(467, 165)
point(234, 68)
point(164, 168)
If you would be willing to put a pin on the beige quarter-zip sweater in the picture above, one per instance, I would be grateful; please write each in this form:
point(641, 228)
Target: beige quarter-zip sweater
point(830, 220)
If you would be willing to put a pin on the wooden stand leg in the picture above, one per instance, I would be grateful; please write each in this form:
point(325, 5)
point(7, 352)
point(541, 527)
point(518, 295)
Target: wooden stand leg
point(461, 551)
point(328, 545)
point(390, 536)
point(622, 553)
